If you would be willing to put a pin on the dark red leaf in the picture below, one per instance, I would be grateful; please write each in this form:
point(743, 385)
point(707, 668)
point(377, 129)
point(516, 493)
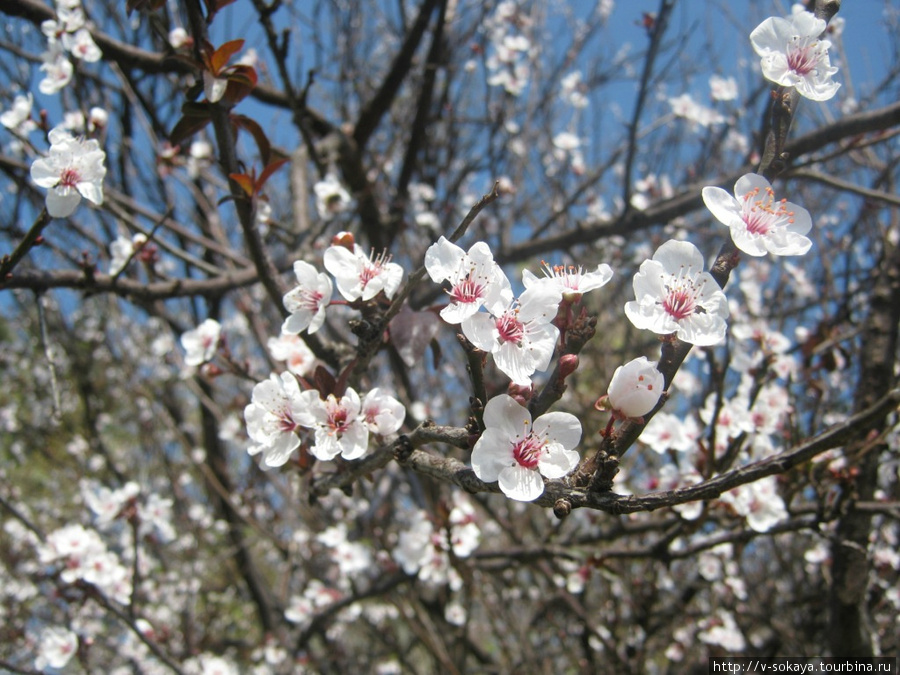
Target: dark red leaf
point(251, 125)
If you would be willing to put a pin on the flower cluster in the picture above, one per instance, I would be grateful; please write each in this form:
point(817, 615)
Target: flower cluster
point(69, 33)
point(424, 549)
point(517, 332)
point(85, 557)
point(340, 424)
point(509, 49)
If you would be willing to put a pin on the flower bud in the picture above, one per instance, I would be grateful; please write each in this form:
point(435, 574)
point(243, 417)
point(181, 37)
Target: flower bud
point(344, 239)
point(568, 363)
point(636, 387)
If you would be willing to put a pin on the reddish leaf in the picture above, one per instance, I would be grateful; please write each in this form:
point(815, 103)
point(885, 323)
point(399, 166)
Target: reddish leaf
point(324, 382)
point(246, 183)
point(267, 172)
point(241, 81)
point(223, 54)
point(213, 6)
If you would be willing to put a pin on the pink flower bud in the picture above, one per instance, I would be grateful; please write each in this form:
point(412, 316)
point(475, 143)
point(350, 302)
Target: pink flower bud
point(636, 387)
point(568, 363)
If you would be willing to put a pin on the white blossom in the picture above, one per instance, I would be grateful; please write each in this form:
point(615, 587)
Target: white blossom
point(18, 117)
point(338, 426)
point(572, 281)
point(293, 350)
point(276, 410)
point(362, 277)
point(57, 68)
point(308, 300)
point(759, 223)
point(792, 55)
point(675, 295)
point(57, 646)
point(73, 169)
point(201, 343)
point(521, 337)
point(516, 452)
point(331, 197)
point(475, 279)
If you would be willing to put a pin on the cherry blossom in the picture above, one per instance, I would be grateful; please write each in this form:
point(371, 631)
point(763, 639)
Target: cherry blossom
point(520, 337)
point(82, 46)
point(86, 558)
point(308, 300)
point(69, 19)
point(57, 646)
point(675, 295)
point(421, 549)
point(722, 630)
point(351, 557)
point(57, 67)
point(362, 277)
point(475, 279)
point(276, 410)
point(201, 343)
point(667, 432)
point(122, 250)
point(106, 503)
point(209, 664)
point(572, 281)
point(382, 414)
point(331, 197)
point(723, 88)
point(178, 37)
point(792, 55)
point(316, 596)
point(338, 426)
point(759, 503)
point(18, 117)
point(516, 452)
point(291, 349)
point(73, 169)
point(759, 223)
point(635, 388)
point(685, 106)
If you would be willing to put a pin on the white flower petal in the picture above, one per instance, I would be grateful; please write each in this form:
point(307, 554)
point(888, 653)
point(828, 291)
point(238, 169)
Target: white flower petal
point(521, 484)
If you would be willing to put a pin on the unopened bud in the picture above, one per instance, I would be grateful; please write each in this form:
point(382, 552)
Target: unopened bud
point(344, 239)
point(521, 394)
point(568, 364)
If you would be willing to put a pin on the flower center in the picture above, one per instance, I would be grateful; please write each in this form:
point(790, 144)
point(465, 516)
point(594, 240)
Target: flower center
point(466, 291)
point(373, 267)
point(337, 418)
point(286, 423)
point(69, 177)
point(528, 451)
point(510, 328)
point(568, 275)
point(802, 59)
point(763, 214)
point(680, 303)
point(310, 300)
